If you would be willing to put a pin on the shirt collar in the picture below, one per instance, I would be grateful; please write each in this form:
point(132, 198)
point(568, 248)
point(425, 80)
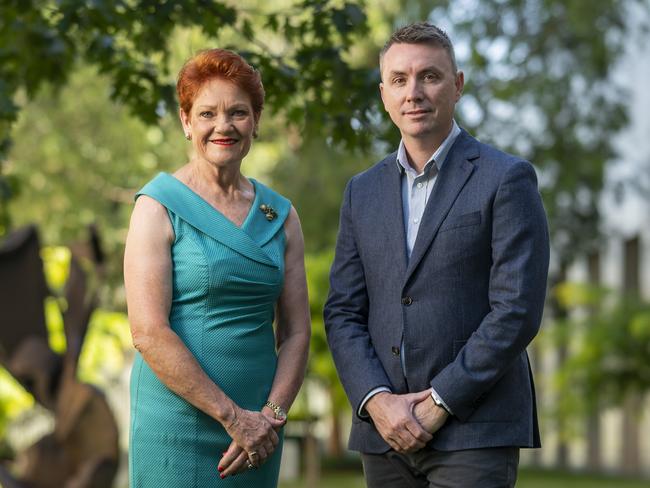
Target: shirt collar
point(439, 156)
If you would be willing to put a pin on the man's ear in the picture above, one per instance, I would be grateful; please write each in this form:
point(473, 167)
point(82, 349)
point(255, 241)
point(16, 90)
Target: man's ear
point(460, 84)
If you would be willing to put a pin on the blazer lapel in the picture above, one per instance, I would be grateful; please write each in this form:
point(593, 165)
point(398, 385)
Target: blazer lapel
point(451, 179)
point(392, 213)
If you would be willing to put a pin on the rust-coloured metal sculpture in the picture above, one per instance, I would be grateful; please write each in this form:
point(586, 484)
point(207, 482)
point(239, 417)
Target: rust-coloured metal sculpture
point(82, 452)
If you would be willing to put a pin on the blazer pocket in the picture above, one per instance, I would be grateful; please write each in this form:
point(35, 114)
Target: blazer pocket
point(465, 220)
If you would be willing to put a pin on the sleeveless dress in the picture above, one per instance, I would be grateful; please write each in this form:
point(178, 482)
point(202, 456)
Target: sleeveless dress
point(226, 281)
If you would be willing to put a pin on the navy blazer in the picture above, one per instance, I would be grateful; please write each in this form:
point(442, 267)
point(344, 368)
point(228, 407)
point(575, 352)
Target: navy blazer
point(466, 304)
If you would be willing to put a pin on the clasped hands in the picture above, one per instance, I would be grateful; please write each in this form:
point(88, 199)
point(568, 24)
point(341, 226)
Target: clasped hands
point(406, 422)
point(254, 437)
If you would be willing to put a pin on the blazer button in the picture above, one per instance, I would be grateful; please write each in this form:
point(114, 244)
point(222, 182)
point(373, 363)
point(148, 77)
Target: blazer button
point(395, 350)
point(407, 301)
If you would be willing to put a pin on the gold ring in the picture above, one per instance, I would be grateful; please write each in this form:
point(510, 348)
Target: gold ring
point(249, 465)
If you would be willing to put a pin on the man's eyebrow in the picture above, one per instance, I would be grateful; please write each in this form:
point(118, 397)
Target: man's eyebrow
point(426, 69)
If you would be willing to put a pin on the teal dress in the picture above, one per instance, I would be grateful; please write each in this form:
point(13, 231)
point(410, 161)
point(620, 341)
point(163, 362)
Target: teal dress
point(226, 281)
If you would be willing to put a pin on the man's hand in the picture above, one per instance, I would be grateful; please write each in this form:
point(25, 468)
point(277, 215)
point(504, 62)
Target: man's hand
point(393, 417)
point(430, 416)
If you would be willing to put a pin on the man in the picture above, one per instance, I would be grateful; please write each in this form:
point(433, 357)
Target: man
point(437, 287)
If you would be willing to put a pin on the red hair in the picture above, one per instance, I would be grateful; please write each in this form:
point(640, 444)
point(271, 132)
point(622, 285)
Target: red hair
point(218, 63)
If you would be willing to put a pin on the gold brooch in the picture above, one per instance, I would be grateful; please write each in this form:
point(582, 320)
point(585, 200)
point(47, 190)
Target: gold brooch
point(268, 211)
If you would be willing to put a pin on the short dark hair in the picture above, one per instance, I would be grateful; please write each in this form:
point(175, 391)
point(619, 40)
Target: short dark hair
point(420, 33)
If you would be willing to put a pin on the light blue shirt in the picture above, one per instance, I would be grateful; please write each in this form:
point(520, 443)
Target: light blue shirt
point(416, 190)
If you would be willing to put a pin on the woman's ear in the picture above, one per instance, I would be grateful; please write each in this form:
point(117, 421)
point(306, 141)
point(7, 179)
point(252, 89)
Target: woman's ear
point(185, 122)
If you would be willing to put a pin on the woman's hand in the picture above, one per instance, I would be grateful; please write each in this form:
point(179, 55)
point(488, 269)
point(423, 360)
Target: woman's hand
point(237, 458)
point(234, 460)
point(255, 433)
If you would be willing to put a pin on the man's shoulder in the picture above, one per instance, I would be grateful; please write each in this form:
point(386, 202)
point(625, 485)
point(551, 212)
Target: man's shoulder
point(372, 174)
point(491, 158)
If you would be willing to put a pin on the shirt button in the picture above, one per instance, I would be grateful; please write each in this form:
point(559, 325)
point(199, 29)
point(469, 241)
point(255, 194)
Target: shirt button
point(407, 301)
point(395, 350)
point(416, 220)
point(419, 185)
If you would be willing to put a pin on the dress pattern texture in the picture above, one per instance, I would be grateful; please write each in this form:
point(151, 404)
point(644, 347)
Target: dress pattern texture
point(226, 281)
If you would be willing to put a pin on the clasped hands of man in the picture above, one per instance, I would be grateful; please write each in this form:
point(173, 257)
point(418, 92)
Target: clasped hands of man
point(406, 422)
point(254, 437)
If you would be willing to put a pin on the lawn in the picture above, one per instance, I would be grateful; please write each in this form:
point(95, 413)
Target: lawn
point(527, 479)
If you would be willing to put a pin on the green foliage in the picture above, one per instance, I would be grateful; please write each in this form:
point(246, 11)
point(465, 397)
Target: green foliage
point(131, 42)
point(608, 339)
point(313, 178)
point(570, 294)
point(540, 86)
point(321, 365)
point(56, 264)
point(106, 349)
point(79, 159)
point(13, 400)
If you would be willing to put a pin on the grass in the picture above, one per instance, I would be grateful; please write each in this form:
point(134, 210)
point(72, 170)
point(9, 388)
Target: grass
point(527, 479)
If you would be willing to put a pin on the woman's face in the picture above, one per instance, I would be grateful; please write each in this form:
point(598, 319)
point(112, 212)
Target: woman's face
point(221, 123)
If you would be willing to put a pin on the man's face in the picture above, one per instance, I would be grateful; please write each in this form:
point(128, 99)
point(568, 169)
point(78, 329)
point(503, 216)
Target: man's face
point(420, 89)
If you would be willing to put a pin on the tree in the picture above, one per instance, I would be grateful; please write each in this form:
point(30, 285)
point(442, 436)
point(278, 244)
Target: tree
point(610, 341)
point(539, 85)
point(129, 42)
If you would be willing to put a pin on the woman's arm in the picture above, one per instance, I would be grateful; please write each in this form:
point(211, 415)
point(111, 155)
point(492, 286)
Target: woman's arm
point(293, 330)
point(148, 281)
point(293, 325)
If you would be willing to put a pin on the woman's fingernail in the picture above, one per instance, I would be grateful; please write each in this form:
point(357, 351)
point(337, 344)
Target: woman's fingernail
point(222, 476)
point(220, 469)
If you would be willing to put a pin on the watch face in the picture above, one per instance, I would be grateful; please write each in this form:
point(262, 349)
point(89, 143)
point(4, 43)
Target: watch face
point(281, 415)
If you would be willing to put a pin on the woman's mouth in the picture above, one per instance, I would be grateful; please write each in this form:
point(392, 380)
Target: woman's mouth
point(224, 142)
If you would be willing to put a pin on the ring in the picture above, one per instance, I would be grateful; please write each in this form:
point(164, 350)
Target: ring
point(249, 465)
point(252, 453)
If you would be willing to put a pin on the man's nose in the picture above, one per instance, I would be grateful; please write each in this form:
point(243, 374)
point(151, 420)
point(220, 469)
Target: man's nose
point(413, 91)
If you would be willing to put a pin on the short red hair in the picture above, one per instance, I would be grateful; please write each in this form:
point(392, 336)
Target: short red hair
point(218, 63)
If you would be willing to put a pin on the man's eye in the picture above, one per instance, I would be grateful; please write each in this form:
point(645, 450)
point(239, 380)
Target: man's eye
point(398, 81)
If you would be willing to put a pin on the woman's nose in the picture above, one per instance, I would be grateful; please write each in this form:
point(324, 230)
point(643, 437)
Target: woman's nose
point(222, 122)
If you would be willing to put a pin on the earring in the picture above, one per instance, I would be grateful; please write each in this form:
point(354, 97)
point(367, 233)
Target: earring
point(255, 134)
point(188, 136)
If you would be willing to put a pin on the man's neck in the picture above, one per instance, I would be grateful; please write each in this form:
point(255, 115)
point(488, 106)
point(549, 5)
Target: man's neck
point(419, 150)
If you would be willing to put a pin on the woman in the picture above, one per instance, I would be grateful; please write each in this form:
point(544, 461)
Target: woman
point(211, 257)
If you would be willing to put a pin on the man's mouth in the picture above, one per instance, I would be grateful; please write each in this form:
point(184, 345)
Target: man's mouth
point(224, 142)
point(416, 112)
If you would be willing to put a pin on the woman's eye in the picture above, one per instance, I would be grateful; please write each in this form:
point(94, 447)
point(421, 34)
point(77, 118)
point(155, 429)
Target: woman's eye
point(206, 114)
point(240, 113)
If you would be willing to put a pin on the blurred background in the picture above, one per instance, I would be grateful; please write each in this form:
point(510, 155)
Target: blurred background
point(88, 116)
